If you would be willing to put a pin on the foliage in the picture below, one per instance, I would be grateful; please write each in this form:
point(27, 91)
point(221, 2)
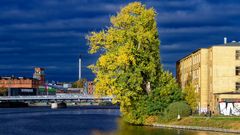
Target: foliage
point(105, 103)
point(167, 92)
point(181, 108)
point(151, 119)
point(191, 96)
point(3, 91)
point(129, 67)
point(79, 83)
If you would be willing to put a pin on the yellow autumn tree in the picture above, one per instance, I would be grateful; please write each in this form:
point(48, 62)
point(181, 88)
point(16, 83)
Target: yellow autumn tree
point(129, 67)
point(191, 96)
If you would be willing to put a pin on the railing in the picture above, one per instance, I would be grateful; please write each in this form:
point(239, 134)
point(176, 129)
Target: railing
point(54, 97)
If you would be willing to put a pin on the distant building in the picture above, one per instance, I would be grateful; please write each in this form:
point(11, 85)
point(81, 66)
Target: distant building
point(47, 90)
point(215, 74)
point(22, 85)
point(67, 85)
point(75, 90)
point(91, 87)
point(39, 75)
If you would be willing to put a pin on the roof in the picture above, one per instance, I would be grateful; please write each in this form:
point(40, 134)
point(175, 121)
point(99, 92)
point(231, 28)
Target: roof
point(231, 44)
point(13, 77)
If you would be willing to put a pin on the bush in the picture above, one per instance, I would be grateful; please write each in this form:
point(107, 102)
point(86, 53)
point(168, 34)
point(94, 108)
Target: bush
point(150, 120)
point(105, 103)
point(181, 108)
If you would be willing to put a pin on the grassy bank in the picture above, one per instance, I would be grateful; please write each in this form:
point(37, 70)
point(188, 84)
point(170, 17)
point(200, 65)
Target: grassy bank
point(232, 123)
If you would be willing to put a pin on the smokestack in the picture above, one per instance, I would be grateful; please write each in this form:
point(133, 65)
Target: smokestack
point(80, 68)
point(225, 40)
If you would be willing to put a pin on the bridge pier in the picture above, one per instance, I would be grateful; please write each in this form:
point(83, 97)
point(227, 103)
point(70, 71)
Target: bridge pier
point(57, 105)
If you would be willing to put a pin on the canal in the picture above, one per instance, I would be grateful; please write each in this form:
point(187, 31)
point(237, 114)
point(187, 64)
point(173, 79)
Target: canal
point(76, 121)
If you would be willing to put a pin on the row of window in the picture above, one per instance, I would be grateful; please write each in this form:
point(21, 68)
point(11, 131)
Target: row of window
point(196, 74)
point(14, 83)
point(237, 70)
point(196, 58)
point(237, 55)
point(238, 86)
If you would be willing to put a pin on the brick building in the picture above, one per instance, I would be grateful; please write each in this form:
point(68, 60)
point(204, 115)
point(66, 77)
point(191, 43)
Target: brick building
point(39, 75)
point(22, 85)
point(91, 87)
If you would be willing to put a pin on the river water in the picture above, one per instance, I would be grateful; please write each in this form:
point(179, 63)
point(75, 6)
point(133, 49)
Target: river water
point(76, 121)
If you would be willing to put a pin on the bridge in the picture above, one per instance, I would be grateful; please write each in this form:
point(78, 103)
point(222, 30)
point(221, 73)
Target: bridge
point(54, 98)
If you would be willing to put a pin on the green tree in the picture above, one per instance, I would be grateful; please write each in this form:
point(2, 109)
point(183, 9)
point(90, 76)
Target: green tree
point(79, 83)
point(3, 91)
point(129, 67)
point(177, 108)
point(191, 96)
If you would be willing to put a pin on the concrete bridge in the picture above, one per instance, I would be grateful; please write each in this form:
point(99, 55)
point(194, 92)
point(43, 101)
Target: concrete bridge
point(55, 98)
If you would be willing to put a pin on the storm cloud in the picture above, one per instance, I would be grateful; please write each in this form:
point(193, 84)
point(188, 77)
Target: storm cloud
point(51, 33)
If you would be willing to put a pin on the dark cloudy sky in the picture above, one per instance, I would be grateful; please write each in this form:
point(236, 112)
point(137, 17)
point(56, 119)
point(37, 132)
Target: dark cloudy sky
point(51, 33)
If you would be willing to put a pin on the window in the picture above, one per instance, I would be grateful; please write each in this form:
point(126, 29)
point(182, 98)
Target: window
point(237, 86)
point(237, 70)
point(237, 54)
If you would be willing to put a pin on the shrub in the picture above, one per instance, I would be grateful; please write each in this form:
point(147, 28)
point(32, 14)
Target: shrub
point(150, 120)
point(181, 108)
point(105, 103)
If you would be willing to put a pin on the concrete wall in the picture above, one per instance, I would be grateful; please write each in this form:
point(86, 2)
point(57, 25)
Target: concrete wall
point(213, 75)
point(204, 80)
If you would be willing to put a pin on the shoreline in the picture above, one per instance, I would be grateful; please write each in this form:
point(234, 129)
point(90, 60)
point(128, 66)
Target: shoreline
point(196, 128)
point(68, 106)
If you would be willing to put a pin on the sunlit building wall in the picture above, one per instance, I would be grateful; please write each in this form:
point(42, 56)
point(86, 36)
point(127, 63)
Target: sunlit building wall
point(215, 75)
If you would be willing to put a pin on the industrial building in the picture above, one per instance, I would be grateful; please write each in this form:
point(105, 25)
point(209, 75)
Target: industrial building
point(39, 75)
point(215, 74)
point(23, 86)
point(19, 85)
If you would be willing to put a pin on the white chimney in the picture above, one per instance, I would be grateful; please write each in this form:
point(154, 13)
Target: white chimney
point(225, 40)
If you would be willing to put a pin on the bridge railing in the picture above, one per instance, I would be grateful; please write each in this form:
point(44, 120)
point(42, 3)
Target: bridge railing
point(54, 97)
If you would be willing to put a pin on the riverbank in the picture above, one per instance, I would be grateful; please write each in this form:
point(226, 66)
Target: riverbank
point(13, 104)
point(216, 124)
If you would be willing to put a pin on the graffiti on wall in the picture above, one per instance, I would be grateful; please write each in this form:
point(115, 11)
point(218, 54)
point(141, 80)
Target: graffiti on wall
point(227, 108)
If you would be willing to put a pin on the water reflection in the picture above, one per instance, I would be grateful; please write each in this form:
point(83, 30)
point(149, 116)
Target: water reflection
point(76, 121)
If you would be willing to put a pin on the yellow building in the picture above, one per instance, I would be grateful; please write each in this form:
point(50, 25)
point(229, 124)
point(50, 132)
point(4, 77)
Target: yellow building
point(215, 74)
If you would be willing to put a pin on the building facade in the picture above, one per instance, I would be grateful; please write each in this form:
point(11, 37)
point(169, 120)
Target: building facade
point(39, 74)
point(215, 75)
point(91, 87)
point(20, 85)
point(23, 86)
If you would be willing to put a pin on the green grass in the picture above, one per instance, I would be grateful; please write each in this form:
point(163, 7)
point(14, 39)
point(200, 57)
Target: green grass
point(215, 122)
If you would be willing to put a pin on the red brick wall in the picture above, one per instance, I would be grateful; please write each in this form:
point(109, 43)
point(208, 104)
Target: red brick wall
point(19, 83)
point(90, 87)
